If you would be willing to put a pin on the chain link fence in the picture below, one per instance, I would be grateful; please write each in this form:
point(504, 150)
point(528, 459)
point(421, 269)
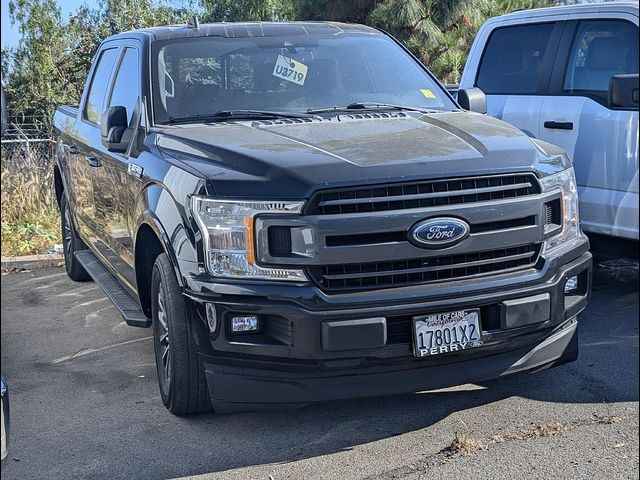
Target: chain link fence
point(30, 217)
point(27, 144)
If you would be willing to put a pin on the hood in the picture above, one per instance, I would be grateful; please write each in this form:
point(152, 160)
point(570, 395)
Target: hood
point(290, 159)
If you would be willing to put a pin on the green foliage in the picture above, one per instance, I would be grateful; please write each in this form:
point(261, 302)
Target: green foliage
point(39, 79)
point(247, 10)
point(439, 32)
point(50, 63)
point(30, 218)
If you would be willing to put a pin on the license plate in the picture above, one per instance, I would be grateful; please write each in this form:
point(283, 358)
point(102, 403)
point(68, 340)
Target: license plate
point(446, 332)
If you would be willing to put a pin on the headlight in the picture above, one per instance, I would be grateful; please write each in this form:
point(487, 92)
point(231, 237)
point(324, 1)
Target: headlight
point(565, 181)
point(227, 228)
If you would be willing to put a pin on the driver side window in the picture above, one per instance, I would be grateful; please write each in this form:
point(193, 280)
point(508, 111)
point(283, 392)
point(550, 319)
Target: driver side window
point(126, 87)
point(602, 49)
point(99, 83)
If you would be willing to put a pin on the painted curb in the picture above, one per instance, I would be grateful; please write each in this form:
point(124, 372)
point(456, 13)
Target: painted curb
point(31, 262)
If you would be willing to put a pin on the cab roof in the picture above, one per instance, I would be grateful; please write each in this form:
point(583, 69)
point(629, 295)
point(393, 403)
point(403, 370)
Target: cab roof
point(244, 30)
point(574, 9)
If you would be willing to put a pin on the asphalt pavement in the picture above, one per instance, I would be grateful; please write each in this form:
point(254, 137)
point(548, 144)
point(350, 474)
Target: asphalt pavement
point(85, 404)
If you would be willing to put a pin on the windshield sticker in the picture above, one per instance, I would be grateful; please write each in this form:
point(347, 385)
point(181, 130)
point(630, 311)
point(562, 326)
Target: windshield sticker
point(290, 70)
point(427, 93)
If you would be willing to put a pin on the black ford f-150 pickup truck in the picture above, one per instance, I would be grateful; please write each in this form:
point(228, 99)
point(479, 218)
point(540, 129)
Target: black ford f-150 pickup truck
point(301, 213)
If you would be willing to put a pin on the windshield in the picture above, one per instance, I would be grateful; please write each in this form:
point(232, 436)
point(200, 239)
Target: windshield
point(197, 78)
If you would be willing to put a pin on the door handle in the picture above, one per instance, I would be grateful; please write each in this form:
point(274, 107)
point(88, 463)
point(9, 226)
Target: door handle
point(73, 150)
point(558, 125)
point(94, 162)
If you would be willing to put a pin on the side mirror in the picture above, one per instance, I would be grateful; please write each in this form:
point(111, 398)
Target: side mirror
point(624, 91)
point(473, 99)
point(114, 129)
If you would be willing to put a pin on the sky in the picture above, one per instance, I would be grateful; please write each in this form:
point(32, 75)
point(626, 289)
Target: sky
point(11, 35)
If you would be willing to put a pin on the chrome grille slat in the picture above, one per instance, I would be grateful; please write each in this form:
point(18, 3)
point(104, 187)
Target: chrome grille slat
point(389, 274)
point(450, 193)
point(430, 269)
point(422, 194)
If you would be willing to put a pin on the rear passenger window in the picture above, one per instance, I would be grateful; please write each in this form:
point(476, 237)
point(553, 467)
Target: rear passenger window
point(126, 87)
point(99, 84)
point(601, 49)
point(512, 59)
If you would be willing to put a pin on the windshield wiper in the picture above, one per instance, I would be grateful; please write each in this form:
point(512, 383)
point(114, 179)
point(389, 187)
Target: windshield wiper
point(368, 106)
point(223, 115)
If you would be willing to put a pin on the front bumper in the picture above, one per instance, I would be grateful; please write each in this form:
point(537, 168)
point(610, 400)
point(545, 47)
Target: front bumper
point(241, 389)
point(294, 367)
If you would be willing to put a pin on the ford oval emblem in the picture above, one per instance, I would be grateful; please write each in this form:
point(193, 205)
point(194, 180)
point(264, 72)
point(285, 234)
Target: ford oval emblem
point(438, 232)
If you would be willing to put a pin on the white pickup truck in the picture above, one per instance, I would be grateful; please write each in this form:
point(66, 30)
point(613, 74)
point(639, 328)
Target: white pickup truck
point(569, 76)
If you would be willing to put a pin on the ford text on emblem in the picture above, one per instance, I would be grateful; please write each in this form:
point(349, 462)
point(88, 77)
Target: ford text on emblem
point(438, 232)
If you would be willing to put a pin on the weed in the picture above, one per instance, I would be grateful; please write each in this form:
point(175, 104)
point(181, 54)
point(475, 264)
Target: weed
point(463, 445)
point(30, 217)
point(548, 430)
point(609, 418)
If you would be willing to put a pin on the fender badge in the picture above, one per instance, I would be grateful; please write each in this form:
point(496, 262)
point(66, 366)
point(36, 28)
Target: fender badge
point(135, 170)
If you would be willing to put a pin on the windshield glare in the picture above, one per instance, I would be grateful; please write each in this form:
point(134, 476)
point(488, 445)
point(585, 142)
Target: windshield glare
point(199, 77)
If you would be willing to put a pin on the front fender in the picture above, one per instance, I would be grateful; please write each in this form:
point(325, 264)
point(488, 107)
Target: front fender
point(168, 218)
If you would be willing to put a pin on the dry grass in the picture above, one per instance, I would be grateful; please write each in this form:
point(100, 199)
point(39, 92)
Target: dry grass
point(30, 217)
point(609, 419)
point(537, 431)
point(463, 445)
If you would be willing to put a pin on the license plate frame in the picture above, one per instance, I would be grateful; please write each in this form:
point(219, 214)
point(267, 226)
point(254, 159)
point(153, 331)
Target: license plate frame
point(461, 324)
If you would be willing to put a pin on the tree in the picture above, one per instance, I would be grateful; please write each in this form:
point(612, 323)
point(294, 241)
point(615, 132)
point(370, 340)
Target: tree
point(439, 32)
point(38, 80)
point(247, 10)
point(50, 64)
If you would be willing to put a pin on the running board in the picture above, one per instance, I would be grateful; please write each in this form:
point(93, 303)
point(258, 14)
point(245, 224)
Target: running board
point(126, 305)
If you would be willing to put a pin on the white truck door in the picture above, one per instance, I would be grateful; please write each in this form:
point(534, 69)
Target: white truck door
point(601, 141)
point(511, 63)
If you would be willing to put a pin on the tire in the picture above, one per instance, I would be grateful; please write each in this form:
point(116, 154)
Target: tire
point(71, 244)
point(181, 378)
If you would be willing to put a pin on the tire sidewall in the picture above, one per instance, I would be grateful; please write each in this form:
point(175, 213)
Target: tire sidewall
point(186, 391)
point(64, 218)
point(166, 385)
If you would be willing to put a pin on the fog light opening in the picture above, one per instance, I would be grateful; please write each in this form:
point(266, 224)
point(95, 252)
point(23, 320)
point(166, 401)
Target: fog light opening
point(212, 317)
point(245, 324)
point(571, 285)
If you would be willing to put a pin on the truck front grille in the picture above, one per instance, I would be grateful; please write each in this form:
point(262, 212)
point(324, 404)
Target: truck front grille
point(431, 193)
point(377, 275)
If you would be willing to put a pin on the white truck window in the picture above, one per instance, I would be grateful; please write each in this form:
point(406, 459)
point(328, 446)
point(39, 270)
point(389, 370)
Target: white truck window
point(512, 59)
point(601, 49)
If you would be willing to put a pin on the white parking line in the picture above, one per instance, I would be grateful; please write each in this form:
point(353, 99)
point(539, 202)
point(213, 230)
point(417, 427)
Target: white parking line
point(78, 290)
point(96, 315)
point(51, 284)
point(91, 302)
point(44, 277)
point(93, 350)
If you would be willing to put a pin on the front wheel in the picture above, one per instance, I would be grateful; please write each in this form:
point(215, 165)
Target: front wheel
point(183, 386)
point(71, 244)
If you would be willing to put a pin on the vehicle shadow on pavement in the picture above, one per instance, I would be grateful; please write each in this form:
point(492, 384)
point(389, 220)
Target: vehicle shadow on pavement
point(605, 373)
point(101, 414)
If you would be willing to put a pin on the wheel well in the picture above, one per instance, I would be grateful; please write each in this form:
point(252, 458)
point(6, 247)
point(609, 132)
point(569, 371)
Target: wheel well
point(57, 183)
point(148, 247)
